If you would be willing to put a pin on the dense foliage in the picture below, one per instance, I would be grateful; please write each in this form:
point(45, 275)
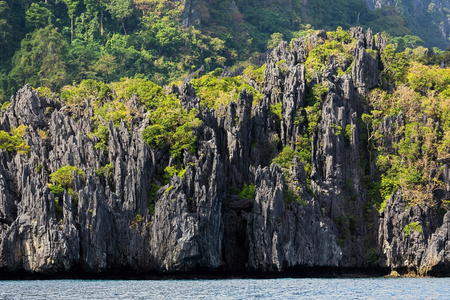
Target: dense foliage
point(13, 142)
point(172, 126)
point(54, 43)
point(216, 92)
point(63, 179)
point(419, 94)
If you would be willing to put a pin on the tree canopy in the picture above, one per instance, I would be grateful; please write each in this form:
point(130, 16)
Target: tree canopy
point(53, 43)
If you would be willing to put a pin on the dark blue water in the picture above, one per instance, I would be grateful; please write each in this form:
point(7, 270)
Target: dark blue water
point(380, 288)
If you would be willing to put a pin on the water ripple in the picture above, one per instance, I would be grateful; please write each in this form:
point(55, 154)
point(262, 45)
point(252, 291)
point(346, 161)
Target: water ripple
point(376, 288)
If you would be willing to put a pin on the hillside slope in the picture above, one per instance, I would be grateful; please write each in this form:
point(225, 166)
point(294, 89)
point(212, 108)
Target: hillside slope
point(55, 43)
point(296, 170)
point(427, 19)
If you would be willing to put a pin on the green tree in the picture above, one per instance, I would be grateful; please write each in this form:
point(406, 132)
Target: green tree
point(395, 66)
point(82, 58)
point(168, 37)
point(12, 30)
point(248, 191)
point(285, 157)
point(172, 126)
point(38, 16)
point(5, 33)
point(13, 142)
point(131, 60)
point(41, 59)
point(96, 7)
point(275, 39)
point(86, 29)
point(64, 176)
point(407, 41)
point(105, 66)
point(63, 179)
point(120, 10)
point(71, 9)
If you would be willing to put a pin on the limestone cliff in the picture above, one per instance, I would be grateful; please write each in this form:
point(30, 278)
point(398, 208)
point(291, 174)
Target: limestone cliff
point(197, 223)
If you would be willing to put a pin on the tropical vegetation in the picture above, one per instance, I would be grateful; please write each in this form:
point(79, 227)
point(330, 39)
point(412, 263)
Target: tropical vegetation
point(53, 43)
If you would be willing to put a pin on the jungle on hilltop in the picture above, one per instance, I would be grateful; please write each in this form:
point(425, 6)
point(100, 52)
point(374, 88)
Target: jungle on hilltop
point(53, 43)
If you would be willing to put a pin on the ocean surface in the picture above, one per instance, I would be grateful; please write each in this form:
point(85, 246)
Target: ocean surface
point(377, 288)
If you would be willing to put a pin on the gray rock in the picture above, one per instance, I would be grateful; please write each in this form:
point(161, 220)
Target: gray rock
point(411, 237)
point(188, 99)
point(238, 129)
point(187, 227)
point(264, 226)
point(365, 71)
point(199, 222)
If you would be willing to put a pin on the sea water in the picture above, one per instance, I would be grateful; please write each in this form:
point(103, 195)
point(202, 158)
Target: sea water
point(376, 288)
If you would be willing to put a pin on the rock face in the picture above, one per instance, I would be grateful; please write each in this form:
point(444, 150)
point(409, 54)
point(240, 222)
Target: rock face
point(280, 236)
point(310, 215)
point(414, 238)
point(187, 228)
